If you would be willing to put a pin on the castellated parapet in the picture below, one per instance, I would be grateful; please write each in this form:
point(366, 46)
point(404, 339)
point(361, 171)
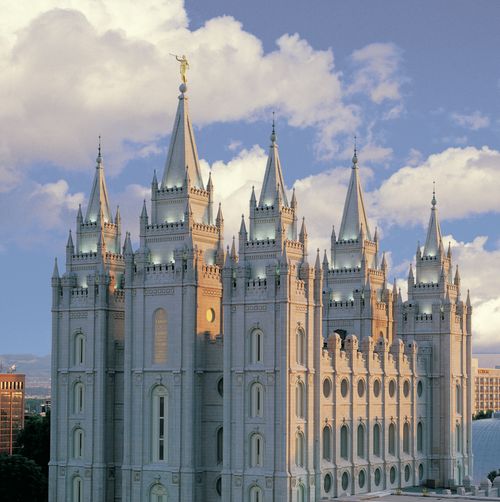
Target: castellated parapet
point(183, 371)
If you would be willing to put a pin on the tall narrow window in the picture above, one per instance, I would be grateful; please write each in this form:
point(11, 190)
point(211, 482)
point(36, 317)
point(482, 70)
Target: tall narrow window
point(300, 347)
point(361, 441)
point(78, 443)
point(159, 424)
point(420, 437)
point(80, 349)
point(392, 439)
point(344, 442)
point(458, 398)
point(257, 400)
point(79, 396)
point(301, 493)
point(256, 494)
point(300, 400)
point(256, 451)
point(299, 449)
point(160, 337)
point(256, 346)
point(327, 441)
point(77, 489)
point(458, 438)
point(158, 493)
point(376, 440)
point(406, 437)
point(220, 445)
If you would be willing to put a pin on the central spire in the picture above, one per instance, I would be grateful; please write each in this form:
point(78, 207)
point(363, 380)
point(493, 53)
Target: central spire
point(182, 156)
point(354, 215)
point(99, 194)
point(433, 242)
point(273, 179)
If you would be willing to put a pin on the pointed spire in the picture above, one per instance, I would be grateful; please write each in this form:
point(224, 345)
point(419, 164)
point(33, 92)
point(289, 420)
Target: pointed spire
point(210, 185)
point(273, 177)
point(118, 217)
point(433, 242)
point(55, 272)
point(375, 236)
point(233, 250)
point(333, 236)
point(79, 216)
point(303, 230)
point(219, 220)
point(383, 265)
point(317, 265)
point(127, 245)
point(456, 281)
point(188, 212)
point(418, 252)
point(243, 228)
point(394, 288)
point(154, 183)
point(69, 244)
point(468, 302)
point(354, 215)
point(144, 212)
point(293, 203)
point(253, 200)
point(411, 278)
point(182, 153)
point(325, 260)
point(449, 250)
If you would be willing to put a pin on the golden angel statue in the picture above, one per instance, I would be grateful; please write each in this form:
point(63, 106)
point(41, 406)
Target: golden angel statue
point(184, 67)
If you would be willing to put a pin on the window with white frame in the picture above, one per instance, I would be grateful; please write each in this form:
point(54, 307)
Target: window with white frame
point(78, 443)
point(300, 347)
point(361, 441)
point(299, 449)
point(159, 423)
point(256, 450)
point(327, 441)
point(376, 440)
point(158, 493)
point(300, 407)
point(257, 400)
point(344, 442)
point(160, 337)
point(220, 445)
point(256, 494)
point(406, 437)
point(79, 397)
point(392, 439)
point(420, 437)
point(256, 346)
point(79, 349)
point(77, 489)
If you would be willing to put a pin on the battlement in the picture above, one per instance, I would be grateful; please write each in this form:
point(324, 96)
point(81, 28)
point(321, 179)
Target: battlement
point(91, 256)
point(263, 243)
point(211, 272)
point(91, 225)
point(204, 227)
point(338, 271)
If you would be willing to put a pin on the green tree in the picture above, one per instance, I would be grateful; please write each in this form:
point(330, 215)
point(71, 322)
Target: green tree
point(34, 441)
point(21, 480)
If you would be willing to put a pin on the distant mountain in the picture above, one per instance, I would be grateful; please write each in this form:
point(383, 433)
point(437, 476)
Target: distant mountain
point(36, 369)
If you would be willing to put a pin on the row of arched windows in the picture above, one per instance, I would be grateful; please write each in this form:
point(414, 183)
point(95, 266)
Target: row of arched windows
point(257, 347)
point(377, 445)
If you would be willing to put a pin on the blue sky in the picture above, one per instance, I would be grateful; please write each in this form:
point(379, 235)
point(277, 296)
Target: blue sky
point(417, 82)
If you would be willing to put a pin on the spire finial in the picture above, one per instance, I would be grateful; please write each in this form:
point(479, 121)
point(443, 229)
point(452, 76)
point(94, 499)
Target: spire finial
point(433, 202)
point(273, 132)
point(99, 156)
point(355, 156)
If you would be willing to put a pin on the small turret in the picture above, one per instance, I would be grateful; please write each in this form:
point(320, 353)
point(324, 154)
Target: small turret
point(449, 250)
point(55, 271)
point(253, 200)
point(456, 281)
point(317, 264)
point(418, 253)
point(219, 220)
point(79, 216)
point(383, 265)
point(154, 183)
point(303, 231)
point(411, 277)
point(128, 252)
point(293, 203)
point(468, 302)
point(70, 250)
point(233, 250)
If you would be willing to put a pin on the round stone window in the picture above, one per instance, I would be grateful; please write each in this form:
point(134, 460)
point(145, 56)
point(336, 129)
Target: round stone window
point(392, 388)
point(407, 473)
point(344, 387)
point(327, 483)
point(361, 479)
point(420, 388)
point(392, 475)
point(378, 475)
point(345, 481)
point(327, 387)
point(361, 388)
point(376, 388)
point(210, 315)
point(406, 388)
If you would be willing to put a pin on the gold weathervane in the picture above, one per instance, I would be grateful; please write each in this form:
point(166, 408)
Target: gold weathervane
point(184, 66)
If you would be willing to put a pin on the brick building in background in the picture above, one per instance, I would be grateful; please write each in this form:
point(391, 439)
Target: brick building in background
point(11, 409)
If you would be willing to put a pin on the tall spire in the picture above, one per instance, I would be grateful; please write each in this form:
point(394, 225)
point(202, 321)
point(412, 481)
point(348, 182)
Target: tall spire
point(273, 178)
point(354, 215)
point(182, 153)
point(99, 194)
point(433, 242)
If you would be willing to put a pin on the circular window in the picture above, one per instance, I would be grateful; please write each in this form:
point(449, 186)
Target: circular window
point(210, 315)
point(420, 388)
point(344, 387)
point(345, 481)
point(376, 388)
point(421, 472)
point(406, 388)
point(220, 387)
point(407, 473)
point(361, 388)
point(361, 479)
point(218, 486)
point(327, 483)
point(378, 475)
point(392, 388)
point(327, 387)
point(392, 475)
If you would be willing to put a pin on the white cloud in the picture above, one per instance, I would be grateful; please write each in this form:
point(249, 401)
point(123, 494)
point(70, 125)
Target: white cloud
point(72, 70)
point(473, 121)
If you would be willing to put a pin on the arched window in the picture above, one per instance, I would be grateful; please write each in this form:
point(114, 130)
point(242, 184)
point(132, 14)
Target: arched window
point(256, 451)
point(299, 449)
point(458, 438)
point(392, 439)
point(300, 347)
point(77, 489)
point(361, 441)
point(327, 441)
point(79, 397)
point(301, 493)
point(160, 337)
point(220, 445)
point(159, 423)
point(256, 494)
point(406, 437)
point(79, 349)
point(420, 437)
point(458, 398)
point(158, 493)
point(257, 400)
point(376, 440)
point(78, 443)
point(344, 442)
point(256, 346)
point(300, 400)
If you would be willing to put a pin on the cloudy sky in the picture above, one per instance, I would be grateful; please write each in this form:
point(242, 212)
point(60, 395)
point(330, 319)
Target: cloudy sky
point(417, 82)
